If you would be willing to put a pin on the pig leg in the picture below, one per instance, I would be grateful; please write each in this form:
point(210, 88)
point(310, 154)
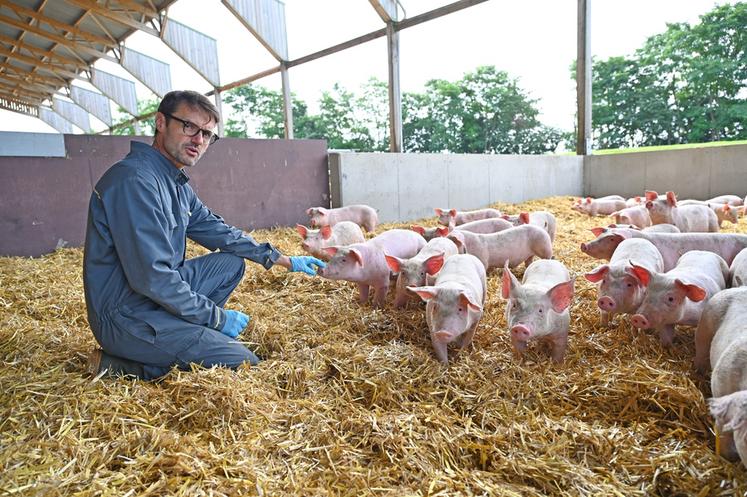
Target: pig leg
point(401, 300)
point(727, 447)
point(666, 335)
point(363, 290)
point(558, 346)
point(528, 261)
point(466, 339)
point(380, 295)
point(519, 346)
point(703, 338)
point(605, 317)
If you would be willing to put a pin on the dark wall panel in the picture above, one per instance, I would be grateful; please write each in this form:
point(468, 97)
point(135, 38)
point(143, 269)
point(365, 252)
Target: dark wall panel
point(251, 183)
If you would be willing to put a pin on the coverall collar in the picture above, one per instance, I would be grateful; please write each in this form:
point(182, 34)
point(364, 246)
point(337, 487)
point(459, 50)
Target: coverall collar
point(178, 175)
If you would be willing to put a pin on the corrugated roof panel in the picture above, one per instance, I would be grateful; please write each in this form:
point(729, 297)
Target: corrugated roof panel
point(266, 19)
point(72, 113)
point(121, 90)
point(197, 49)
point(154, 74)
point(95, 103)
point(55, 120)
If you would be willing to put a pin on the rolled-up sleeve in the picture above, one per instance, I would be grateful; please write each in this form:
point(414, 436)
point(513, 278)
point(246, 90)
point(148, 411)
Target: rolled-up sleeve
point(140, 229)
point(212, 232)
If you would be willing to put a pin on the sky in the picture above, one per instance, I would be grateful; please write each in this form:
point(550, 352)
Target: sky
point(532, 40)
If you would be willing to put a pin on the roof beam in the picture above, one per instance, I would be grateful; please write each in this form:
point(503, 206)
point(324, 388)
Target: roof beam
point(91, 38)
point(55, 79)
point(51, 68)
point(95, 8)
point(21, 93)
point(41, 87)
point(39, 52)
point(134, 6)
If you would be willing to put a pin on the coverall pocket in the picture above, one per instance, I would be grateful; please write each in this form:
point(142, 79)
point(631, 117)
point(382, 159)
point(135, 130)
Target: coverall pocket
point(129, 322)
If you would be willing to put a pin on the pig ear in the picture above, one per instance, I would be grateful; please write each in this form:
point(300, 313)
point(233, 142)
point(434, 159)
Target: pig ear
point(302, 230)
point(693, 292)
point(457, 238)
point(561, 295)
point(598, 231)
point(671, 199)
point(505, 216)
point(467, 303)
point(442, 231)
point(651, 195)
point(509, 282)
point(331, 250)
point(439, 212)
point(524, 218)
point(452, 212)
point(638, 199)
point(309, 211)
point(639, 272)
point(356, 254)
point(434, 263)
point(588, 200)
point(729, 411)
point(424, 292)
point(418, 229)
point(444, 336)
point(393, 263)
point(326, 232)
point(726, 207)
point(598, 273)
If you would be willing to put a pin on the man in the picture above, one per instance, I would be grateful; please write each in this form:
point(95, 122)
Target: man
point(148, 307)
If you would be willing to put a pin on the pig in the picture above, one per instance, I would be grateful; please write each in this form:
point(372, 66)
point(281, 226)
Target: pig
point(365, 263)
point(671, 245)
point(485, 226)
point(679, 295)
point(620, 290)
point(341, 234)
point(454, 305)
point(738, 270)
point(600, 206)
point(362, 215)
point(637, 216)
point(453, 217)
point(515, 245)
point(732, 200)
point(688, 218)
point(537, 308)
point(633, 201)
point(656, 228)
point(543, 219)
point(721, 342)
point(430, 233)
point(421, 269)
point(725, 212)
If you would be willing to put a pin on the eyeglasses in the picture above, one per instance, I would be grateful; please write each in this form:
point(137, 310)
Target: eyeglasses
point(191, 129)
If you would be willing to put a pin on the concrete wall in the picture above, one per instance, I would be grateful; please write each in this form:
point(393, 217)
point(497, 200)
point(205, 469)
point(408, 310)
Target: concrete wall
point(404, 187)
point(699, 173)
point(15, 144)
point(250, 183)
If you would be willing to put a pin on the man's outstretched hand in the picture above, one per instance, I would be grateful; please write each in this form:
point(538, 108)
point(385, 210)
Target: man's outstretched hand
point(235, 323)
point(306, 264)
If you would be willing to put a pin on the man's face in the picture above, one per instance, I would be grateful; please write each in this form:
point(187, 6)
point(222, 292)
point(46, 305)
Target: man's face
point(173, 142)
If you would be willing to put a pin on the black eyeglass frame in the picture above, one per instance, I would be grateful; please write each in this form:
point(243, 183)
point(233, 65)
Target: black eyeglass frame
point(213, 136)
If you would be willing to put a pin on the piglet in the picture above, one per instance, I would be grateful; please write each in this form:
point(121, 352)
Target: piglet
point(620, 291)
point(430, 233)
point(738, 270)
point(633, 201)
point(543, 219)
point(599, 206)
point(453, 217)
point(537, 308)
point(654, 228)
point(362, 215)
point(679, 296)
point(721, 342)
point(515, 245)
point(725, 212)
point(490, 225)
point(341, 234)
point(365, 263)
point(419, 270)
point(733, 200)
point(688, 218)
point(455, 303)
point(637, 216)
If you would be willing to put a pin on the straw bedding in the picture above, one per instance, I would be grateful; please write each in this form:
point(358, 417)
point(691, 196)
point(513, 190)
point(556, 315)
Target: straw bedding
point(350, 400)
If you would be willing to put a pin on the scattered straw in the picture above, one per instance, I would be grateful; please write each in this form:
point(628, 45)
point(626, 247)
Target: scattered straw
point(350, 401)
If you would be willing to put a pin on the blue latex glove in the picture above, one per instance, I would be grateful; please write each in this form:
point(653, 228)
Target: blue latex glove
point(306, 264)
point(236, 321)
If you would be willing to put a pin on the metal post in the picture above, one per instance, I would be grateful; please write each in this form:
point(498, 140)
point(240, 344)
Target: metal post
point(583, 78)
point(219, 105)
point(395, 95)
point(287, 102)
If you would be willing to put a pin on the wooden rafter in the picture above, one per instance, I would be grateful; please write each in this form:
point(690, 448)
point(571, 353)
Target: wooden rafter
point(40, 52)
point(73, 30)
point(98, 10)
point(56, 79)
point(140, 9)
point(21, 93)
point(51, 68)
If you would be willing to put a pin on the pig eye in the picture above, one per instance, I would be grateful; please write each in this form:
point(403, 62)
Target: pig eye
point(671, 299)
point(539, 310)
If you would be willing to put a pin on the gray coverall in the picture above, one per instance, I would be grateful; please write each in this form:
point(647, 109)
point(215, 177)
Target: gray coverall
point(148, 307)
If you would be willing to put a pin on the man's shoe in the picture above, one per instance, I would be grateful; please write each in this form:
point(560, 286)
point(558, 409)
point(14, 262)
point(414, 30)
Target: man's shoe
point(94, 362)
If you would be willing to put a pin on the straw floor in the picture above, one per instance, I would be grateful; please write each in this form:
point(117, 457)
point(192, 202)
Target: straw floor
point(350, 400)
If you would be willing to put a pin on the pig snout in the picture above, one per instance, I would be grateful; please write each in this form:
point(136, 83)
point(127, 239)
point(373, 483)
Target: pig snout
point(649, 204)
point(520, 333)
point(640, 321)
point(305, 246)
point(584, 248)
point(606, 303)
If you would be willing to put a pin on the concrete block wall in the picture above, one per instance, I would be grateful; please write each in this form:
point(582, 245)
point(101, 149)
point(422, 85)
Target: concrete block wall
point(699, 173)
point(404, 187)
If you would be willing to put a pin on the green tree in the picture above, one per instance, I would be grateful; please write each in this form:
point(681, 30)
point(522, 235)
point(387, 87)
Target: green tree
point(147, 126)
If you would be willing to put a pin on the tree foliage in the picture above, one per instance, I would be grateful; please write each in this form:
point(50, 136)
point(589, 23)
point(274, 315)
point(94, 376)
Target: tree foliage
point(147, 126)
point(685, 85)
